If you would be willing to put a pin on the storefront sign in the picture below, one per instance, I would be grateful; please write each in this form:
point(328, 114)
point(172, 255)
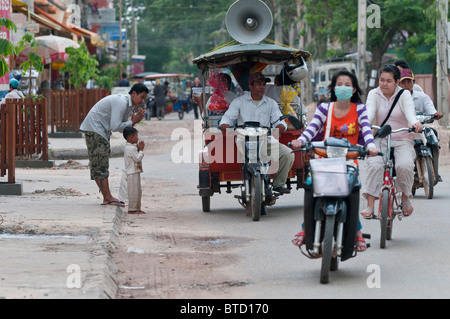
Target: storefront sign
point(5, 12)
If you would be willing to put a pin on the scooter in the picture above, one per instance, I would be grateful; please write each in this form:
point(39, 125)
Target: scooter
point(331, 206)
point(427, 154)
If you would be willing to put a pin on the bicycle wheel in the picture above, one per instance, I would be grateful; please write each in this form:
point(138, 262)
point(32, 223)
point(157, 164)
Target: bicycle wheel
point(391, 217)
point(327, 249)
point(428, 177)
point(384, 217)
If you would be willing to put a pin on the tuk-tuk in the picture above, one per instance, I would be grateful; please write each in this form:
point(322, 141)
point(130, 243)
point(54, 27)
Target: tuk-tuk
point(226, 170)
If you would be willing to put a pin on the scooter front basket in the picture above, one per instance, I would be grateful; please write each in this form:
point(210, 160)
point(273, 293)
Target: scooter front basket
point(330, 177)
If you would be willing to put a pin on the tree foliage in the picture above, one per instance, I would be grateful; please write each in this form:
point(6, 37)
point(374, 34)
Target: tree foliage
point(403, 24)
point(7, 49)
point(80, 65)
point(172, 32)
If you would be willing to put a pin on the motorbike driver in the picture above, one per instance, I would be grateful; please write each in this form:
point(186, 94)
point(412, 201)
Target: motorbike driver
point(255, 106)
point(423, 104)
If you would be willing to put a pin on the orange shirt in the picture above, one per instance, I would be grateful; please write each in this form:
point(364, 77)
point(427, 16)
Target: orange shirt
point(346, 126)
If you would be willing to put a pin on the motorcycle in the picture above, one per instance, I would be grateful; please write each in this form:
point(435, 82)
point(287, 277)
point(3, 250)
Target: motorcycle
point(425, 170)
point(251, 140)
point(331, 206)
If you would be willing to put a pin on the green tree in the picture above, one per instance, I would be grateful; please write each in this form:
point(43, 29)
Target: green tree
point(172, 32)
point(337, 20)
point(80, 65)
point(7, 49)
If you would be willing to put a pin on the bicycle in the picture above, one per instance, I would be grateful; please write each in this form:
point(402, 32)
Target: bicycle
point(390, 200)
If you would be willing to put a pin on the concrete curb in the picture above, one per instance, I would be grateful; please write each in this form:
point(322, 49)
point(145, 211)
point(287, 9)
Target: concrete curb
point(109, 287)
point(107, 269)
point(67, 154)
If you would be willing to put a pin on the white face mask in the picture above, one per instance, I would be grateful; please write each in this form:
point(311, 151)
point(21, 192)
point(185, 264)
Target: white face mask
point(343, 93)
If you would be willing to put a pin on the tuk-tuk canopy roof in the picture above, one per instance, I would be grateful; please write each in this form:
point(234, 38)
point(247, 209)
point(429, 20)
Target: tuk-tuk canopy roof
point(266, 53)
point(165, 75)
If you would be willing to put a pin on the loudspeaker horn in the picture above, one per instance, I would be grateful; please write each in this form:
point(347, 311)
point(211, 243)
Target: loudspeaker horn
point(249, 21)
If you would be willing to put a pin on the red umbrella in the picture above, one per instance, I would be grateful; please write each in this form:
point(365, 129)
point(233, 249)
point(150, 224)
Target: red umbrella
point(51, 49)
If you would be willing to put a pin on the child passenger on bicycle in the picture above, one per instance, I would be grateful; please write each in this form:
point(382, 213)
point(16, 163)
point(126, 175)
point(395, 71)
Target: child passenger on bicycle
point(348, 120)
point(379, 102)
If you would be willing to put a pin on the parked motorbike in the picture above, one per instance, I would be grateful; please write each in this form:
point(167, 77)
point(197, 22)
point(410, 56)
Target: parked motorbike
point(331, 206)
point(427, 154)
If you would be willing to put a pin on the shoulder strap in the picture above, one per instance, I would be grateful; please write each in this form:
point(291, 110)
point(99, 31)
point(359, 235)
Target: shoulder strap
point(329, 119)
point(392, 107)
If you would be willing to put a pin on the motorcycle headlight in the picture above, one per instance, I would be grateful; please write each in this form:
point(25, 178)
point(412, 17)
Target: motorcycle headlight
point(333, 152)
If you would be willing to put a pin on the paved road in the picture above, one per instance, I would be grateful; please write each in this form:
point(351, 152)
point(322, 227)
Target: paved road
point(414, 264)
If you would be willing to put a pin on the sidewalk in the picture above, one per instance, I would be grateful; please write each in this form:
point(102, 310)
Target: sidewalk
point(75, 148)
point(56, 239)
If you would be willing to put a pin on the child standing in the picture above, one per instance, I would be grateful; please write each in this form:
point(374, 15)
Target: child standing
point(133, 155)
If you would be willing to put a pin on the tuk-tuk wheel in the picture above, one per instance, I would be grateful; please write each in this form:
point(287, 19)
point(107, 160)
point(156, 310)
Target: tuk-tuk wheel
point(180, 114)
point(206, 204)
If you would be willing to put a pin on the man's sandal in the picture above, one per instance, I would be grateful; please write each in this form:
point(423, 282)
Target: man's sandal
point(407, 208)
point(299, 239)
point(367, 213)
point(360, 245)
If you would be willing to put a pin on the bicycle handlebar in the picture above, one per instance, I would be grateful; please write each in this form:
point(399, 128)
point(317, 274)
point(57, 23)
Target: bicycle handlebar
point(403, 129)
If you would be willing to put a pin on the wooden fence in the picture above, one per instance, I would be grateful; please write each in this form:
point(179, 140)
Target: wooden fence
point(30, 127)
point(7, 142)
point(69, 108)
point(23, 133)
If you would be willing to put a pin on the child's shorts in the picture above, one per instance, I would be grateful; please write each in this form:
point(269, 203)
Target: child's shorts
point(99, 151)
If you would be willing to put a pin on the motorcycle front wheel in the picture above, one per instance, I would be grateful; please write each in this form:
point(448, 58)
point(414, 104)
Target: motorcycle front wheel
point(327, 249)
point(254, 204)
point(428, 177)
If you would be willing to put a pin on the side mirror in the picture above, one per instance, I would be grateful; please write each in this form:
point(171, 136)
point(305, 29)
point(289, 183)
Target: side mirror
point(293, 120)
point(296, 123)
point(383, 131)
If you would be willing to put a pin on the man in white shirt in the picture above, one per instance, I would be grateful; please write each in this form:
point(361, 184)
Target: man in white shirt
point(255, 106)
point(421, 100)
point(110, 114)
point(424, 104)
point(13, 93)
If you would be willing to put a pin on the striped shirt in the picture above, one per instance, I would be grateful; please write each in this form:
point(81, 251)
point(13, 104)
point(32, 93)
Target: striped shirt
point(316, 129)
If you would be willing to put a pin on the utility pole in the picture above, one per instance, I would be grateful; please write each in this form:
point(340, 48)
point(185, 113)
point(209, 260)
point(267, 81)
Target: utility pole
point(120, 40)
point(132, 37)
point(362, 44)
point(442, 61)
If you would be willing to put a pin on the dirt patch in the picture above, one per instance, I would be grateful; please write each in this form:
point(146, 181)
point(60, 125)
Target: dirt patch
point(60, 191)
point(164, 254)
point(71, 164)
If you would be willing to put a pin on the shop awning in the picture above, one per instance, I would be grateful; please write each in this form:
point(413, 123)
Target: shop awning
point(42, 17)
point(20, 7)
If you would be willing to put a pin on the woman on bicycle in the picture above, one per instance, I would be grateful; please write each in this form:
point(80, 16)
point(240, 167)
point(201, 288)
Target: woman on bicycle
point(349, 120)
point(379, 103)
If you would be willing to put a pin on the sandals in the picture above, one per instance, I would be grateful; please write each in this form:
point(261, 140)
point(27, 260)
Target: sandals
point(407, 208)
point(360, 245)
point(367, 213)
point(299, 239)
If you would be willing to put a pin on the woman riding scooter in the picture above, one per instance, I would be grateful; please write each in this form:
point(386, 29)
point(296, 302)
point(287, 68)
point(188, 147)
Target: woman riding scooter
point(348, 120)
